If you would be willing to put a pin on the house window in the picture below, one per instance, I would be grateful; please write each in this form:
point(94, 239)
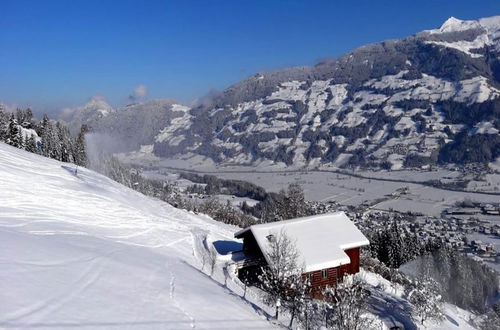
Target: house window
point(310, 277)
point(324, 273)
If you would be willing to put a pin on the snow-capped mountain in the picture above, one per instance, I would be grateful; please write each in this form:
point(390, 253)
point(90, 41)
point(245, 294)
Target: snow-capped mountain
point(91, 113)
point(431, 97)
point(133, 125)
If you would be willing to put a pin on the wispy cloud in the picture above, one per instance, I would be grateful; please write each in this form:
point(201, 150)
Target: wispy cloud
point(8, 107)
point(207, 100)
point(140, 92)
point(97, 97)
point(67, 113)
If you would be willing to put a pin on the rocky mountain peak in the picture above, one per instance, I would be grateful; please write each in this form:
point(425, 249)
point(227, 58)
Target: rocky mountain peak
point(453, 24)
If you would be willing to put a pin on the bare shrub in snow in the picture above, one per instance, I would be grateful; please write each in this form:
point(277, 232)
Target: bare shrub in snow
point(346, 305)
point(281, 279)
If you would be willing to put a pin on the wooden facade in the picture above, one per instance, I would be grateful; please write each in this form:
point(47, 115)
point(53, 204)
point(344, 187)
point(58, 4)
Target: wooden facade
point(250, 268)
point(320, 279)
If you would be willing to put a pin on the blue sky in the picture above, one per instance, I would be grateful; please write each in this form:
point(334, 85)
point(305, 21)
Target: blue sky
point(56, 54)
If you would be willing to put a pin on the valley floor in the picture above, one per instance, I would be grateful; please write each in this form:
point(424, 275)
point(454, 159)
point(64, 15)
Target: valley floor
point(343, 187)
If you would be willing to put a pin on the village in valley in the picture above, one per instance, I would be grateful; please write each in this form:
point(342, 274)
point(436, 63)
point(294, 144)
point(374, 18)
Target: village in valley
point(470, 227)
point(454, 230)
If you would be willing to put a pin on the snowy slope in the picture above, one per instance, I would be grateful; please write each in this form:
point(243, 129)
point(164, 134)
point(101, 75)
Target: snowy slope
point(84, 251)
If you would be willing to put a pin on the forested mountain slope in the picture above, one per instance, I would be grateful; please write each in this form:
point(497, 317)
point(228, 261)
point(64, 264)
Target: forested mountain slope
point(433, 97)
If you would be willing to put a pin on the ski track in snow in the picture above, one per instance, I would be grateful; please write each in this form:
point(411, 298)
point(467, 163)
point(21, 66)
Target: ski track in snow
point(172, 296)
point(84, 251)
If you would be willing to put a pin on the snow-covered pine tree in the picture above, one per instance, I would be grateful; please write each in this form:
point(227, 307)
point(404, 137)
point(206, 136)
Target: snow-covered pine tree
point(79, 152)
point(46, 136)
point(295, 205)
point(30, 144)
point(45, 122)
point(4, 124)
point(425, 296)
point(20, 116)
point(28, 117)
point(66, 143)
point(14, 137)
point(397, 245)
point(413, 247)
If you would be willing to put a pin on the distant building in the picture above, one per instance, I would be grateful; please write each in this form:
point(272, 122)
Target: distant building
point(329, 247)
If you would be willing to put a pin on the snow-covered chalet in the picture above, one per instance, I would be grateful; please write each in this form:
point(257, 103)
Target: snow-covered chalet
point(328, 244)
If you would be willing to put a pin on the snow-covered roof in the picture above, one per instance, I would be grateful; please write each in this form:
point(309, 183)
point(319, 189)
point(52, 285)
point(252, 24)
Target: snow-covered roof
point(320, 239)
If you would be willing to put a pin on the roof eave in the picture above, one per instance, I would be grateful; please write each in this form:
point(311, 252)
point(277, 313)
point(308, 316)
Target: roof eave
point(364, 242)
point(239, 233)
point(332, 264)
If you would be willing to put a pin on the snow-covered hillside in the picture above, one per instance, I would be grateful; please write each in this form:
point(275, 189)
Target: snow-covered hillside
point(83, 251)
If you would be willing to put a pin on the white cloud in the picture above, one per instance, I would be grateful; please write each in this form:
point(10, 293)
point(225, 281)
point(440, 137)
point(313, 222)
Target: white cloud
point(67, 113)
point(98, 97)
point(8, 107)
point(140, 92)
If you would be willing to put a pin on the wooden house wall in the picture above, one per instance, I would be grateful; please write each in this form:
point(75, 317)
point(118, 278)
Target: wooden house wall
point(334, 274)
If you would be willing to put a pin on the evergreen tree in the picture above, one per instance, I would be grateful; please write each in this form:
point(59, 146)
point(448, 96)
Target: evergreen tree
point(13, 134)
point(55, 139)
point(28, 116)
point(295, 205)
point(80, 148)
point(45, 133)
point(65, 142)
point(21, 139)
point(45, 122)
point(4, 124)
point(465, 282)
point(425, 297)
point(20, 116)
point(31, 144)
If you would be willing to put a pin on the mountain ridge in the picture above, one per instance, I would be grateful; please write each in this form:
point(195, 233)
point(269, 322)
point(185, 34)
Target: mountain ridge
point(409, 102)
